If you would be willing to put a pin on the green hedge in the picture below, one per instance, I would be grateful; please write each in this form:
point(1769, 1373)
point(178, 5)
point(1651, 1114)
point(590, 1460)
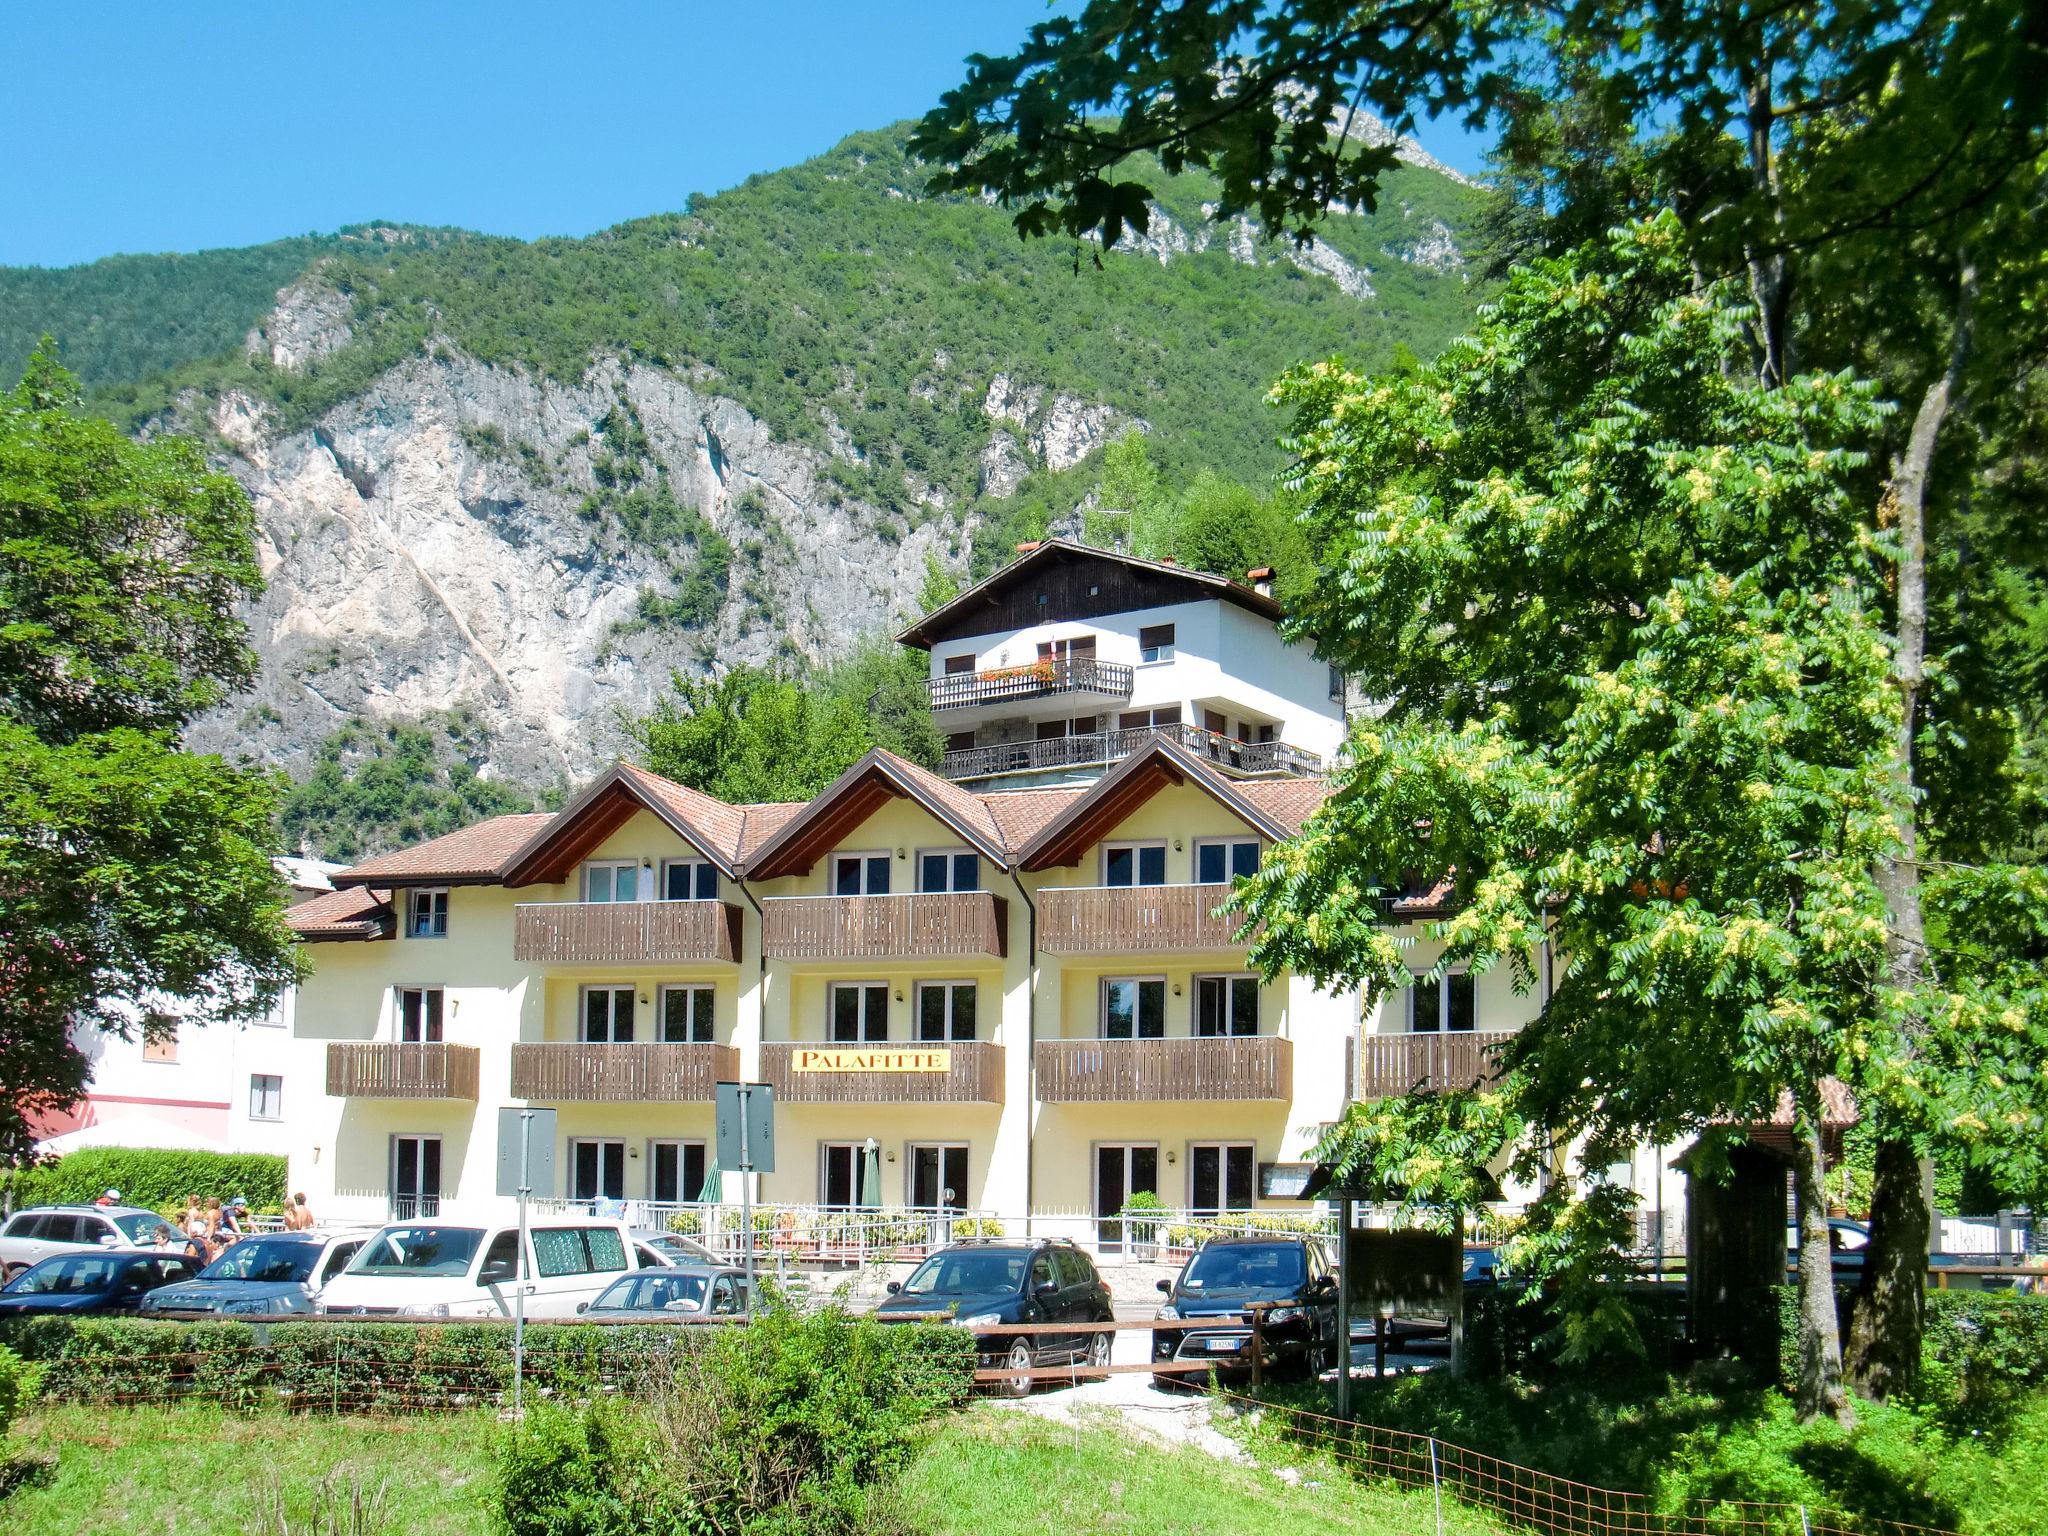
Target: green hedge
point(1507, 1334)
point(323, 1366)
point(156, 1178)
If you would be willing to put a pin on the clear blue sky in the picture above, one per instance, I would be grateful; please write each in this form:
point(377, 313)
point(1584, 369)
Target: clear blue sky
point(201, 123)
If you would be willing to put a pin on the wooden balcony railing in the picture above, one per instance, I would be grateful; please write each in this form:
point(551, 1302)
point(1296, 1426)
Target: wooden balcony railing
point(640, 1073)
point(1147, 1071)
point(380, 1069)
point(1032, 680)
point(976, 1076)
point(626, 932)
point(1247, 758)
point(1120, 919)
point(935, 925)
point(1392, 1065)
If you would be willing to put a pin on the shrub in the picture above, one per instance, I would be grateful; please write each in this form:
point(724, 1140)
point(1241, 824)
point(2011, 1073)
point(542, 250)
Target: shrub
point(1983, 1354)
point(1512, 1330)
point(978, 1226)
point(157, 1178)
point(18, 1387)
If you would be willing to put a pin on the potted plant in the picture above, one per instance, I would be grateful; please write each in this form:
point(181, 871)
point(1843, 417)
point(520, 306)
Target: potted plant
point(1140, 1217)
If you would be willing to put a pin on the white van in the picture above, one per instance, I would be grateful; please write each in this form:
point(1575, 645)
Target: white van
point(440, 1268)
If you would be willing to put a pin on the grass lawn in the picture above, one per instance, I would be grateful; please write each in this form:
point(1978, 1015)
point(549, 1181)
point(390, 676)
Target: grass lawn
point(191, 1470)
point(995, 1471)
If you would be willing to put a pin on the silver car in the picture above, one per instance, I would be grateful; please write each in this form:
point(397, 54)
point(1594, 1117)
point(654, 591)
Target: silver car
point(272, 1273)
point(44, 1231)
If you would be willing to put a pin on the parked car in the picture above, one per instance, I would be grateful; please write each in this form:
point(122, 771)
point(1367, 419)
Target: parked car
point(115, 1281)
point(674, 1247)
point(983, 1283)
point(37, 1233)
point(1483, 1264)
point(439, 1268)
point(1847, 1242)
point(666, 1294)
point(274, 1272)
point(1228, 1275)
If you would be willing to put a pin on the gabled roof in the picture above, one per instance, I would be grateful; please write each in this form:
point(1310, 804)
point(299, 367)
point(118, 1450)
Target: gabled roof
point(353, 913)
point(952, 617)
point(472, 856)
point(857, 794)
point(1098, 810)
point(709, 825)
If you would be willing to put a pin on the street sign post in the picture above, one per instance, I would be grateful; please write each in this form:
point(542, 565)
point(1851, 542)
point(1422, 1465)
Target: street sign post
point(522, 1124)
point(746, 1142)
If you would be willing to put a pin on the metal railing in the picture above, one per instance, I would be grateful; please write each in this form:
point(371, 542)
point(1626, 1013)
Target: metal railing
point(1248, 758)
point(1044, 678)
point(803, 1234)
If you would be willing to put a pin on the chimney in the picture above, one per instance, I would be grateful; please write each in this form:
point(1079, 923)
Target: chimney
point(1168, 560)
point(1261, 578)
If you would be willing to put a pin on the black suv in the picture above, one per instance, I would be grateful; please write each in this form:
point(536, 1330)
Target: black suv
point(1229, 1274)
point(993, 1281)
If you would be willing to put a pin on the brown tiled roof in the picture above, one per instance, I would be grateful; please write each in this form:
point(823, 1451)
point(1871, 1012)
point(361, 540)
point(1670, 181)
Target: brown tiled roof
point(722, 824)
point(967, 808)
point(353, 913)
point(1021, 814)
point(1289, 802)
point(474, 854)
point(763, 819)
point(1837, 1107)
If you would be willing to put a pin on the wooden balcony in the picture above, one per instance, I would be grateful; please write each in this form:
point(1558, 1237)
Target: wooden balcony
point(1145, 919)
point(1392, 1065)
point(939, 925)
point(648, 1073)
point(1043, 679)
point(1150, 1071)
point(976, 1076)
point(381, 1069)
point(626, 932)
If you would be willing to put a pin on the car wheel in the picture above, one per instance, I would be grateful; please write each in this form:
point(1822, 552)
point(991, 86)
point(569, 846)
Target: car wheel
point(1317, 1360)
point(1099, 1349)
point(1019, 1359)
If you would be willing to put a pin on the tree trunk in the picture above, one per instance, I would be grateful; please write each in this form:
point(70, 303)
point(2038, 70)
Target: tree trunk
point(1819, 1390)
point(1884, 1339)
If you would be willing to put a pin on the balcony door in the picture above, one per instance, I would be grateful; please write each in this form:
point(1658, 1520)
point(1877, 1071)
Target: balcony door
point(597, 1169)
point(675, 1172)
point(686, 1016)
point(860, 874)
point(1447, 1004)
point(1134, 864)
point(1122, 1169)
point(938, 1176)
point(1134, 1008)
point(839, 1176)
point(415, 1177)
point(607, 1015)
point(612, 880)
point(419, 1015)
point(1226, 1005)
point(860, 1012)
point(1221, 1175)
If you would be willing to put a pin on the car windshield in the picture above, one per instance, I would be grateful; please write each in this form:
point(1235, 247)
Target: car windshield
point(654, 1293)
point(139, 1226)
point(420, 1251)
point(84, 1274)
point(271, 1259)
point(1247, 1267)
point(972, 1272)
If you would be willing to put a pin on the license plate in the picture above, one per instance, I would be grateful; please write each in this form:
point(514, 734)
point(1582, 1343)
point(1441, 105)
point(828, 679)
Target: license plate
point(1223, 1346)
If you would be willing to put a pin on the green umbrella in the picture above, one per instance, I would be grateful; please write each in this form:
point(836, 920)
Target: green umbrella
point(871, 1175)
point(712, 1190)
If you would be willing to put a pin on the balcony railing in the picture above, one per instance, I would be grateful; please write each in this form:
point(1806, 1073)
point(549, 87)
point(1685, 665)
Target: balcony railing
point(1033, 680)
point(1248, 759)
point(626, 932)
point(934, 925)
point(1147, 1071)
point(641, 1073)
point(1120, 919)
point(381, 1069)
point(975, 1075)
point(1392, 1065)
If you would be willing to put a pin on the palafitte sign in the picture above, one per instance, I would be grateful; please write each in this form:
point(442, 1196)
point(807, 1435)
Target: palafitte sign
point(844, 1060)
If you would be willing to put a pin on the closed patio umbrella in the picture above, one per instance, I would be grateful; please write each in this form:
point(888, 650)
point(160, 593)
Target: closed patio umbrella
point(713, 1188)
point(871, 1174)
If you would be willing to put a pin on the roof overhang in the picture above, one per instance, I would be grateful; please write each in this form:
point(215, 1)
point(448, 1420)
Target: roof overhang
point(1156, 766)
point(798, 844)
point(605, 805)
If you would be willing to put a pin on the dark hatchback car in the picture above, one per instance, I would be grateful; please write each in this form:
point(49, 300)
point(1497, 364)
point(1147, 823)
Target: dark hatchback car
point(92, 1282)
point(1290, 1276)
point(988, 1283)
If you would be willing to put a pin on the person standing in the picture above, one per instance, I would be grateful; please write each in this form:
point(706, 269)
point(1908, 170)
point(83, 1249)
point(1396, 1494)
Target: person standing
point(298, 1216)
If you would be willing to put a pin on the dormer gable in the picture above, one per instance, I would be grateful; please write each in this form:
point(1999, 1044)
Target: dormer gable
point(1095, 815)
point(554, 853)
point(832, 820)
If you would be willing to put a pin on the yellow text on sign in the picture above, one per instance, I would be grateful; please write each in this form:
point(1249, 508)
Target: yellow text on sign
point(873, 1061)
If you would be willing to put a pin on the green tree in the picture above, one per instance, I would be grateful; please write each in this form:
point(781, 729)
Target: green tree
point(136, 876)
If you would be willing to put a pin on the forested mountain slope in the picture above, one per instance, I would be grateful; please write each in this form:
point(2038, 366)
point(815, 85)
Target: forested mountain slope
point(525, 479)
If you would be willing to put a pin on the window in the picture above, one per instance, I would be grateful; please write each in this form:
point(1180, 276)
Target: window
point(266, 1096)
point(415, 1177)
point(1155, 719)
point(689, 880)
point(426, 914)
point(860, 874)
point(860, 1011)
point(1220, 1175)
point(686, 1017)
point(160, 1047)
point(337, 1260)
point(1134, 864)
point(1226, 1005)
point(1133, 1008)
point(840, 1175)
point(948, 869)
point(938, 1177)
point(1446, 1004)
point(1221, 861)
point(419, 1015)
point(675, 1172)
point(956, 665)
point(1155, 642)
point(1215, 723)
point(1074, 648)
point(597, 1171)
point(960, 741)
point(612, 880)
point(945, 1010)
point(1336, 685)
point(607, 1015)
